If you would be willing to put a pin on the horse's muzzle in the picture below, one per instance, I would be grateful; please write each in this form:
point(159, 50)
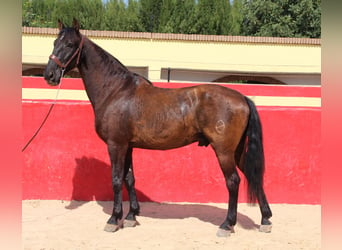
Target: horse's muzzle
point(51, 78)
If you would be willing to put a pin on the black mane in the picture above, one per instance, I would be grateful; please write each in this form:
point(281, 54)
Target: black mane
point(113, 65)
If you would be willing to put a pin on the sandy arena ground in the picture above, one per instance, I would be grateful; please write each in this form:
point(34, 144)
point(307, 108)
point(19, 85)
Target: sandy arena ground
point(79, 225)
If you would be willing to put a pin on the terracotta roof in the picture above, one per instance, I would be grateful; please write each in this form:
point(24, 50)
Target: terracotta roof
point(182, 37)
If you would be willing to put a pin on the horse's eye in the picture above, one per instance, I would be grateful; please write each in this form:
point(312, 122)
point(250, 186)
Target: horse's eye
point(69, 45)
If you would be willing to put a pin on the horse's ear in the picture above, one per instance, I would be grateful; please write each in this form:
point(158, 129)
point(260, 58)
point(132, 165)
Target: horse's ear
point(76, 25)
point(60, 25)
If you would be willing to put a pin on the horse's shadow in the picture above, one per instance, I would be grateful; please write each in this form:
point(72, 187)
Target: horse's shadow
point(87, 187)
point(203, 212)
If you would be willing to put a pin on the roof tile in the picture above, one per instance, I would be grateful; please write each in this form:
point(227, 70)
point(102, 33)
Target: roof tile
point(186, 37)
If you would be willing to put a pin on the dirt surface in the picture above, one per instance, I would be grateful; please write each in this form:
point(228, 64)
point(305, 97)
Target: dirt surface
point(79, 225)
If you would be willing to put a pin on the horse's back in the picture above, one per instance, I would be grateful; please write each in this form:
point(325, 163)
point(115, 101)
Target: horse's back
point(220, 93)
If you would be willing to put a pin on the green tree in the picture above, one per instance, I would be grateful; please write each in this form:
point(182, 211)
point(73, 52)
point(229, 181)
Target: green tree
point(183, 17)
point(90, 13)
point(308, 16)
point(213, 17)
point(27, 14)
point(167, 10)
point(204, 12)
point(149, 14)
point(286, 18)
point(132, 13)
point(114, 17)
point(235, 18)
point(37, 13)
point(65, 11)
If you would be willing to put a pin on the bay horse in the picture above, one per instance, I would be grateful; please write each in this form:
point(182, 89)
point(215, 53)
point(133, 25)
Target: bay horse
point(132, 113)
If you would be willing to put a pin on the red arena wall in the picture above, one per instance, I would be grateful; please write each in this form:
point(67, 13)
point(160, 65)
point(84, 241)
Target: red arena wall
point(68, 161)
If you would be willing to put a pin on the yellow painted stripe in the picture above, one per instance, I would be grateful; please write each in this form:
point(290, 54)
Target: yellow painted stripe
point(80, 95)
point(288, 101)
point(50, 94)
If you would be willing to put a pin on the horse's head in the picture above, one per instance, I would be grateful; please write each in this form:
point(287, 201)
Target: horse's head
point(66, 52)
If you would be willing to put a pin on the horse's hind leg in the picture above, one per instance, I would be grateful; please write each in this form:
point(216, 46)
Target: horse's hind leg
point(233, 188)
point(130, 220)
point(227, 164)
point(266, 213)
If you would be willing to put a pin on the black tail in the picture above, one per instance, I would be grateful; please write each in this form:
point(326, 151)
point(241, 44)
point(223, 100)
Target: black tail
point(254, 161)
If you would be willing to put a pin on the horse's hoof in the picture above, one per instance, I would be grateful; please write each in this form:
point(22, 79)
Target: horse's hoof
point(130, 223)
point(265, 228)
point(111, 228)
point(223, 232)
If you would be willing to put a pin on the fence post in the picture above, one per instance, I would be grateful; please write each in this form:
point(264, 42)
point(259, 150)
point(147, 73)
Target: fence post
point(168, 74)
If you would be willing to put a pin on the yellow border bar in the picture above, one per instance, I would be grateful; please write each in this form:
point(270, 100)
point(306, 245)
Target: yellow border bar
point(80, 95)
point(50, 94)
point(288, 101)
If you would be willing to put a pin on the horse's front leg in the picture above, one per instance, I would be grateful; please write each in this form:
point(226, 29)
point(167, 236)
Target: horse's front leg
point(130, 220)
point(117, 154)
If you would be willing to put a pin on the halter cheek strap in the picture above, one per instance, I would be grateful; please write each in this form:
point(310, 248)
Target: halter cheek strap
point(76, 53)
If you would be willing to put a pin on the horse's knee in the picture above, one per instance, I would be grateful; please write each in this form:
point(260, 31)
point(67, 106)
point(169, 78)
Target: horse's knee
point(116, 183)
point(129, 179)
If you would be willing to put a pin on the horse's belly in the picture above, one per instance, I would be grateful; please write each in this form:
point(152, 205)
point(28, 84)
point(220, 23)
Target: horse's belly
point(160, 146)
point(164, 140)
point(164, 125)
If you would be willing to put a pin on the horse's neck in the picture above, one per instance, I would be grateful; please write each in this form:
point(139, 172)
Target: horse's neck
point(101, 73)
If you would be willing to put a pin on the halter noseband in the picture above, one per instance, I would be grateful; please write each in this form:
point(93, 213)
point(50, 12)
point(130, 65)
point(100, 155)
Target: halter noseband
point(77, 52)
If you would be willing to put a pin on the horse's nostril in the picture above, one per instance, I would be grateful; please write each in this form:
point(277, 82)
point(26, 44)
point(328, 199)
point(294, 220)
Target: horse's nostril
point(50, 74)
